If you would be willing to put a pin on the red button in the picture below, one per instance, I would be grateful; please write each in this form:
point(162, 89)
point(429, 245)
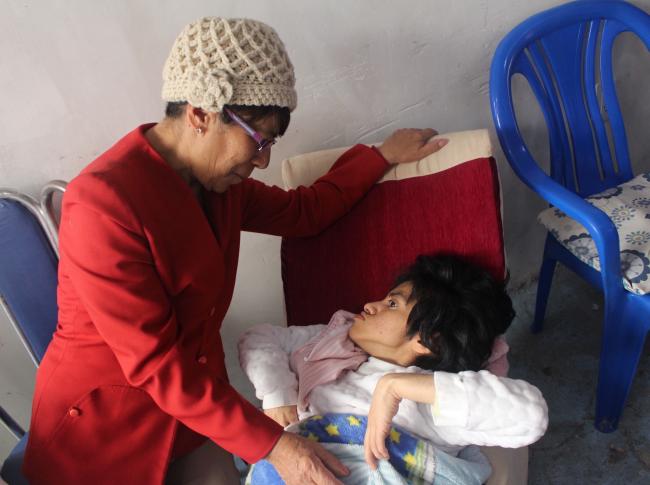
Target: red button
point(203, 359)
point(74, 412)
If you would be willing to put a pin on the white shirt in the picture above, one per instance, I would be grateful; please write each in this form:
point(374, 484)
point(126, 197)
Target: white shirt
point(471, 407)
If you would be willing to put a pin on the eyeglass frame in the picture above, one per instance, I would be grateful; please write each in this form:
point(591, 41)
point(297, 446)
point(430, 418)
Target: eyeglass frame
point(262, 143)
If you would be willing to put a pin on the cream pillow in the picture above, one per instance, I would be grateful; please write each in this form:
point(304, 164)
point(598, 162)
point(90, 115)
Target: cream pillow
point(463, 146)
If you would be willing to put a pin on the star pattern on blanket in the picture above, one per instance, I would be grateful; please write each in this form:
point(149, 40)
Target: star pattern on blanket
point(410, 460)
point(353, 420)
point(394, 435)
point(332, 429)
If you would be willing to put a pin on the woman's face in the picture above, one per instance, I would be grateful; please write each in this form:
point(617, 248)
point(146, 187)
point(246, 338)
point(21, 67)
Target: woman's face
point(380, 329)
point(225, 155)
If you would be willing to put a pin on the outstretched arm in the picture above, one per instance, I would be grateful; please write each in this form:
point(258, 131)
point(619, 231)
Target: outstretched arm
point(306, 211)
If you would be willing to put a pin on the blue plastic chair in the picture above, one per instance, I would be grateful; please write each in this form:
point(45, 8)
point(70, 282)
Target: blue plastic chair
point(28, 280)
point(565, 54)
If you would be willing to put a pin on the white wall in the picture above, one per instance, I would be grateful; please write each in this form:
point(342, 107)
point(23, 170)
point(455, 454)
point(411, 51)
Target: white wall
point(76, 75)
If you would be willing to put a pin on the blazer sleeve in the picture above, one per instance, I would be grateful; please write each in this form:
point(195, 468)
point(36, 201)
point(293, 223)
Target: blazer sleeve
point(306, 211)
point(112, 269)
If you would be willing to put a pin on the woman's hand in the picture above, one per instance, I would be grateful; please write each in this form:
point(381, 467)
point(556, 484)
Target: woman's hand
point(410, 145)
point(303, 462)
point(283, 415)
point(384, 406)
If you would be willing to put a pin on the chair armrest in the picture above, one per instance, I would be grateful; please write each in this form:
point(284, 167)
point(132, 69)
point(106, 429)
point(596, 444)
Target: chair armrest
point(598, 224)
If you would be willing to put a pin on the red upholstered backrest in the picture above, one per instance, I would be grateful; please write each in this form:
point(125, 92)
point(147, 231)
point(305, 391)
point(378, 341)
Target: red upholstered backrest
point(355, 260)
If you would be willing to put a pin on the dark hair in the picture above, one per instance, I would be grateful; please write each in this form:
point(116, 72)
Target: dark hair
point(250, 114)
point(462, 303)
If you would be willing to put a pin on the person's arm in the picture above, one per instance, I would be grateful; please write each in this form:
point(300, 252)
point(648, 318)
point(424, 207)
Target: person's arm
point(264, 352)
point(306, 211)
point(486, 410)
point(389, 392)
point(467, 408)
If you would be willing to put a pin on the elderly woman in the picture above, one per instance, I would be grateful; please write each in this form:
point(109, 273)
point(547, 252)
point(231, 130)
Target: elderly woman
point(134, 378)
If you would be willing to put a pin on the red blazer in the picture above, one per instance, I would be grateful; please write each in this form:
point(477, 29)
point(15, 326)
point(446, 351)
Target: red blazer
point(135, 372)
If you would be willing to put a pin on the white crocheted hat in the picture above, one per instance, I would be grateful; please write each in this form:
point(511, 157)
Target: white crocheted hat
point(217, 61)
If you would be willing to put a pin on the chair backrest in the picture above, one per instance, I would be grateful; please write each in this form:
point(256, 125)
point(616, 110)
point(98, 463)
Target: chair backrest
point(448, 202)
point(565, 54)
point(28, 272)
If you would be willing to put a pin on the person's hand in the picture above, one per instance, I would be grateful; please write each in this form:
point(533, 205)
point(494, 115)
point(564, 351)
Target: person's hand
point(410, 145)
point(303, 462)
point(384, 406)
point(283, 415)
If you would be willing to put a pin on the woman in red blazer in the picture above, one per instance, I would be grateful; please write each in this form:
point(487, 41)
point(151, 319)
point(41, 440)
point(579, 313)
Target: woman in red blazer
point(134, 377)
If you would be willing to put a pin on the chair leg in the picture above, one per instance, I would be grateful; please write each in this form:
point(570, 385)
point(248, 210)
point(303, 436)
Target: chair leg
point(622, 344)
point(543, 290)
point(9, 422)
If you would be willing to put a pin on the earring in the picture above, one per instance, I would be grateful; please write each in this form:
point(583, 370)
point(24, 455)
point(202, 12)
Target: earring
point(199, 131)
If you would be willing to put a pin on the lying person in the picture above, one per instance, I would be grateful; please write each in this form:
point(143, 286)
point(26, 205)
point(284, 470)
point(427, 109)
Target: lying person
point(413, 359)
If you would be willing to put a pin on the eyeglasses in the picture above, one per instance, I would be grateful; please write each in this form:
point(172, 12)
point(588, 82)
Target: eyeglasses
point(262, 142)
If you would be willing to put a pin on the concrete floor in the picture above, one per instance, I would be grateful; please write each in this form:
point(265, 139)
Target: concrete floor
point(562, 361)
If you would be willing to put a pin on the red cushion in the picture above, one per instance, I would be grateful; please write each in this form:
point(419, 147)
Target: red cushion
point(356, 259)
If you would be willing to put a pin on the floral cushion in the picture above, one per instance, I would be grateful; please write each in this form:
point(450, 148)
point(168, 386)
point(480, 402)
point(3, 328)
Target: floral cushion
point(628, 206)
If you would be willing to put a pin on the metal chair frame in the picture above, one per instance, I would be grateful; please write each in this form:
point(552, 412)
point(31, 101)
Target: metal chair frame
point(44, 213)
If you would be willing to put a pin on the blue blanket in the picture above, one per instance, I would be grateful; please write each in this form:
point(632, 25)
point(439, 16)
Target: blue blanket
point(412, 460)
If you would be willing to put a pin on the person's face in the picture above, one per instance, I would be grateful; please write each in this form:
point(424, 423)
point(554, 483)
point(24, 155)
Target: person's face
point(225, 155)
point(380, 329)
